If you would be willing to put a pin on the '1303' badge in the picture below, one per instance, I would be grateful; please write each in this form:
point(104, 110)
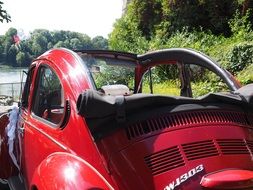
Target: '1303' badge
point(184, 177)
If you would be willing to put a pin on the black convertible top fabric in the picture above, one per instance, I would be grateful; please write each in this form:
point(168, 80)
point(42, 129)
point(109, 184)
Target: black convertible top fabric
point(104, 113)
point(246, 92)
point(93, 104)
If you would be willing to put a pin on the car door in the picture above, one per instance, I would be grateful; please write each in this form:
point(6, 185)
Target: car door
point(41, 119)
point(23, 118)
point(183, 68)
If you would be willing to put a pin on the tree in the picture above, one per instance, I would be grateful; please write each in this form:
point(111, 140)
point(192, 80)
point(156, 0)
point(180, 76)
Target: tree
point(127, 37)
point(11, 56)
point(165, 17)
point(99, 42)
point(1, 48)
point(4, 16)
point(39, 44)
point(41, 40)
point(86, 41)
point(75, 43)
point(59, 44)
point(20, 58)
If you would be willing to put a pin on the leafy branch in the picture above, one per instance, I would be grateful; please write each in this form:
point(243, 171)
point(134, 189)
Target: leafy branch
point(4, 16)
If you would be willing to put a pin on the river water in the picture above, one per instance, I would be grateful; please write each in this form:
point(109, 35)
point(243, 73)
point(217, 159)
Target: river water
point(10, 81)
point(11, 75)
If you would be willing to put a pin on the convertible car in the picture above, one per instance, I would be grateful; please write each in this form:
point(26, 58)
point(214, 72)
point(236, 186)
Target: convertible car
point(168, 119)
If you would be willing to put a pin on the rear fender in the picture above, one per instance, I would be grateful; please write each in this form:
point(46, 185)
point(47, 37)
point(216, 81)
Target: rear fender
point(7, 167)
point(65, 171)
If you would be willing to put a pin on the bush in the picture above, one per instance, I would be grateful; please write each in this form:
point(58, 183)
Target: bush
point(240, 57)
point(240, 25)
point(246, 75)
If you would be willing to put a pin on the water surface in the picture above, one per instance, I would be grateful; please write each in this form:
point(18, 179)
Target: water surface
point(10, 81)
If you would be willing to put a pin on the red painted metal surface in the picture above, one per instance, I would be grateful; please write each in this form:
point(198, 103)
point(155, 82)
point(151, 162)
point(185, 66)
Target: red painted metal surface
point(66, 171)
point(7, 167)
point(40, 139)
point(228, 179)
point(163, 158)
point(169, 151)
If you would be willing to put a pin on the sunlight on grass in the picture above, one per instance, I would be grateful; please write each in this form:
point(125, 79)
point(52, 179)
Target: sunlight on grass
point(166, 88)
point(172, 88)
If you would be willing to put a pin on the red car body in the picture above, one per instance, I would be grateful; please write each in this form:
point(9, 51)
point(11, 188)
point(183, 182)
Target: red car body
point(139, 141)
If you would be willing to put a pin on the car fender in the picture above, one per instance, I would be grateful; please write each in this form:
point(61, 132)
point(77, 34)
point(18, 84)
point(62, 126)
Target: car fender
point(8, 169)
point(66, 171)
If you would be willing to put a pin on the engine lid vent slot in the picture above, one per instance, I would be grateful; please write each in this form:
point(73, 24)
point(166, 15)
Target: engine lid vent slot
point(232, 146)
point(183, 119)
point(177, 156)
point(164, 160)
point(201, 149)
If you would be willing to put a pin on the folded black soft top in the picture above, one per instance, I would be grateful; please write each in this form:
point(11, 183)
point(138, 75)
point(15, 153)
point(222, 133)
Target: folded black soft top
point(246, 92)
point(94, 104)
point(101, 110)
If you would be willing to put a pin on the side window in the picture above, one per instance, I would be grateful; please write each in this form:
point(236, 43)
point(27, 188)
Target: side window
point(204, 81)
point(49, 100)
point(188, 80)
point(162, 79)
point(26, 91)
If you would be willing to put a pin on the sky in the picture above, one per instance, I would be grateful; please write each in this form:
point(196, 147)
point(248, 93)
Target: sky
point(91, 17)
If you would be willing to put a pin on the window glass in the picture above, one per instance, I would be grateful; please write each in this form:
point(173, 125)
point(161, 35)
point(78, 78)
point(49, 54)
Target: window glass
point(110, 71)
point(49, 101)
point(164, 79)
point(204, 81)
point(110, 75)
point(182, 80)
point(26, 90)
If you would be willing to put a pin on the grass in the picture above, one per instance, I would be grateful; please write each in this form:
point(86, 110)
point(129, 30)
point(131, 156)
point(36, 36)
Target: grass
point(171, 88)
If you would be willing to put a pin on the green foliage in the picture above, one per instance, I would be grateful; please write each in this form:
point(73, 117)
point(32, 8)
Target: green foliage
point(240, 57)
point(99, 42)
point(150, 24)
point(22, 53)
point(216, 14)
point(20, 58)
point(204, 87)
point(127, 37)
point(146, 15)
point(246, 75)
point(163, 18)
point(114, 75)
point(11, 55)
point(39, 44)
point(240, 25)
point(23, 59)
point(164, 72)
point(166, 88)
point(182, 26)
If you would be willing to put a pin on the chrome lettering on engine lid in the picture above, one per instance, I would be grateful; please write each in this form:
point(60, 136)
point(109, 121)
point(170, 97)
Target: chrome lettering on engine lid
point(184, 177)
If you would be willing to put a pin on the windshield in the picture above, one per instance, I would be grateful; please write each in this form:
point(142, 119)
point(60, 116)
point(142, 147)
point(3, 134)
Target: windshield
point(107, 70)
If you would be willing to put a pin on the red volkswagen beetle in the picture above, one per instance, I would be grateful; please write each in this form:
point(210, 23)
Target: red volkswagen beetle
point(105, 120)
